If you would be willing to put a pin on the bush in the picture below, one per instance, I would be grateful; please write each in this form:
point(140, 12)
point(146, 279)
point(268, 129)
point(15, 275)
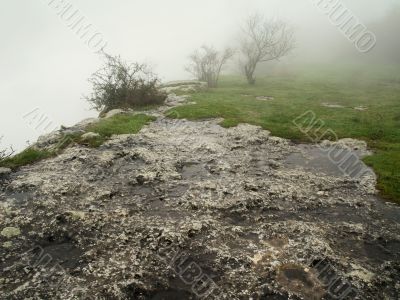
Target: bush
point(4, 154)
point(119, 84)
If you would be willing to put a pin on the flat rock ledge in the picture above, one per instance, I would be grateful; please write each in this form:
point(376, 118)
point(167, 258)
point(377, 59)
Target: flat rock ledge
point(188, 210)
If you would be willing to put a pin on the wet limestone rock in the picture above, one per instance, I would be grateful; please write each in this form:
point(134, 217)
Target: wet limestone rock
point(89, 136)
point(114, 112)
point(184, 86)
point(144, 212)
point(350, 144)
point(4, 171)
point(86, 122)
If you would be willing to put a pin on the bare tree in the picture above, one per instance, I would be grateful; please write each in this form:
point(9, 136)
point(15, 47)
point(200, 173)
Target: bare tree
point(206, 64)
point(263, 40)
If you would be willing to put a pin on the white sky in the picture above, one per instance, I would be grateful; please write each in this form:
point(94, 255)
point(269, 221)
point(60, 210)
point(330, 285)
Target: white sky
point(45, 66)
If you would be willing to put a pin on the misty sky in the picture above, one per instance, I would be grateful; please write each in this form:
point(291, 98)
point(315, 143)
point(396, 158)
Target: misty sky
point(44, 66)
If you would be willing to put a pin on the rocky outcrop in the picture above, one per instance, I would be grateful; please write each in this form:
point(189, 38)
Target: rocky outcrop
point(115, 112)
point(184, 86)
point(186, 210)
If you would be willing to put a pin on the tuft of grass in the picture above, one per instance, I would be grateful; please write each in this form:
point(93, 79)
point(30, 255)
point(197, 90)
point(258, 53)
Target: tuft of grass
point(26, 157)
point(386, 163)
point(120, 124)
point(306, 90)
point(93, 142)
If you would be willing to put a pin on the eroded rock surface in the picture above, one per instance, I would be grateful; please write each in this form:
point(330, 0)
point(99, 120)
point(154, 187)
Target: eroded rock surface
point(184, 210)
point(184, 86)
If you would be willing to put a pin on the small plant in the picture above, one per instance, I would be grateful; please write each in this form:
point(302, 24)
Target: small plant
point(119, 84)
point(5, 153)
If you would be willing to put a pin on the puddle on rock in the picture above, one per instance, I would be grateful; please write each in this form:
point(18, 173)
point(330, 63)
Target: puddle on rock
point(194, 170)
point(300, 281)
point(293, 274)
point(158, 208)
point(20, 198)
point(274, 296)
point(382, 251)
point(330, 161)
point(176, 191)
point(173, 294)
point(388, 210)
point(337, 214)
point(66, 254)
point(375, 251)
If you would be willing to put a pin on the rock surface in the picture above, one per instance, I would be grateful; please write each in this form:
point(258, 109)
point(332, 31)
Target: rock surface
point(187, 210)
point(184, 86)
point(114, 112)
point(4, 171)
point(332, 105)
point(89, 135)
point(265, 98)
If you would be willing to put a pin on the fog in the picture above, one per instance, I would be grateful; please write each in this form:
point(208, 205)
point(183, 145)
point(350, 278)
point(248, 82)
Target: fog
point(45, 65)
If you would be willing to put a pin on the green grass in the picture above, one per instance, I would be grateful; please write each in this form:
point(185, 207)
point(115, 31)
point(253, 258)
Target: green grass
point(26, 157)
point(120, 124)
point(377, 88)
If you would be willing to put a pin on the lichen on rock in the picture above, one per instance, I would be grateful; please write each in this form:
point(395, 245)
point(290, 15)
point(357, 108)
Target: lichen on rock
point(10, 232)
point(147, 215)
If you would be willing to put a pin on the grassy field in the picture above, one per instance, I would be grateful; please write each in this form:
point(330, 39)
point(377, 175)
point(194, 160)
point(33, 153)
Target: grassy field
point(377, 88)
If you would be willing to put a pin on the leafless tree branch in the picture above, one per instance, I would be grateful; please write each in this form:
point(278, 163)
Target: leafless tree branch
point(263, 40)
point(6, 153)
point(207, 63)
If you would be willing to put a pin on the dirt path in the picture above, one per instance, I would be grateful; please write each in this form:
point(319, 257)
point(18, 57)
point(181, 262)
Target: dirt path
point(190, 209)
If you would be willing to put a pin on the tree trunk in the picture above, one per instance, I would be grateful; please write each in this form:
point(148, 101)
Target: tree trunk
point(251, 80)
point(250, 75)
